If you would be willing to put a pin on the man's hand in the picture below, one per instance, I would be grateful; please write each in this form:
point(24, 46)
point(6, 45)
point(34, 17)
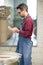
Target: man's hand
point(15, 29)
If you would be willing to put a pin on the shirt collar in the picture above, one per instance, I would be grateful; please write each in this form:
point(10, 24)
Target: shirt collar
point(26, 16)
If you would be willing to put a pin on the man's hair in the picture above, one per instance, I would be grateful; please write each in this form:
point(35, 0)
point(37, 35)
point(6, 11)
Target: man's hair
point(22, 6)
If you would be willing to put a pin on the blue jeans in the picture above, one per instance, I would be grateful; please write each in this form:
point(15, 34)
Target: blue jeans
point(25, 48)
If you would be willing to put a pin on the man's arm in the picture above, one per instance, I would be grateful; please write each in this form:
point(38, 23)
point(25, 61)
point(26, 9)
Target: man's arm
point(28, 29)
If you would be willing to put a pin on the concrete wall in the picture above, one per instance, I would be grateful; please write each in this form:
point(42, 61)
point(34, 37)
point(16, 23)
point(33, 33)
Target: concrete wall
point(40, 21)
point(37, 52)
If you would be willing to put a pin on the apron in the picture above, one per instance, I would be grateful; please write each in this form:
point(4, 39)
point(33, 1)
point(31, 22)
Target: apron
point(22, 40)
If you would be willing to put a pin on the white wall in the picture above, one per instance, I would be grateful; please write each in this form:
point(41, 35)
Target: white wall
point(1, 2)
point(32, 8)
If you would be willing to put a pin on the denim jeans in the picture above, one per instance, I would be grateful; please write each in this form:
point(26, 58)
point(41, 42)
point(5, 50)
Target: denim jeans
point(24, 47)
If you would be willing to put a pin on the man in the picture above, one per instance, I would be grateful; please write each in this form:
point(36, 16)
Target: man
point(24, 44)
